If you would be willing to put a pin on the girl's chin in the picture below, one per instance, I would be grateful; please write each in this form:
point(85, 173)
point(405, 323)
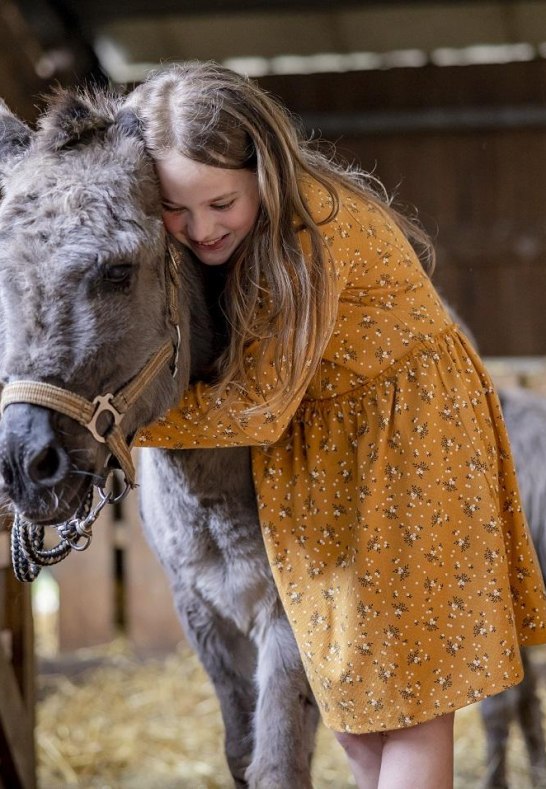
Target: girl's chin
point(215, 255)
point(212, 260)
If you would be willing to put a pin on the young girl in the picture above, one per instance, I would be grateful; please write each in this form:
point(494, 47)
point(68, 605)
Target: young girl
point(387, 495)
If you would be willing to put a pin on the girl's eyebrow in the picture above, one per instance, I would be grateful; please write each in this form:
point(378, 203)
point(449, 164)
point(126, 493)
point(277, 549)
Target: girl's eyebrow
point(218, 199)
point(226, 196)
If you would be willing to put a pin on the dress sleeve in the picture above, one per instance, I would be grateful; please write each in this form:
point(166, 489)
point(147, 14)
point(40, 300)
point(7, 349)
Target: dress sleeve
point(201, 420)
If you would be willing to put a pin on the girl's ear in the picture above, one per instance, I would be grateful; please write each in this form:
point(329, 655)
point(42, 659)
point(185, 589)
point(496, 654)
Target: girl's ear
point(15, 138)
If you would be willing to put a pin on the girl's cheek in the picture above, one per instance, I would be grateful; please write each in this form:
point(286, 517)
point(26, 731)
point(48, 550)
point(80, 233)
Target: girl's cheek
point(173, 224)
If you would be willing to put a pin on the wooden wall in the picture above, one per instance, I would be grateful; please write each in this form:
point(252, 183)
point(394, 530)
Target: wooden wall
point(465, 147)
point(17, 752)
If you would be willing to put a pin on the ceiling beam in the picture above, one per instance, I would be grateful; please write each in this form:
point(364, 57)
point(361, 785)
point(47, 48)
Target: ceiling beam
point(19, 82)
point(67, 52)
point(106, 10)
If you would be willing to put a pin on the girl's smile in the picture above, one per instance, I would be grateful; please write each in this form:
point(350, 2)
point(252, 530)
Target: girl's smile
point(209, 209)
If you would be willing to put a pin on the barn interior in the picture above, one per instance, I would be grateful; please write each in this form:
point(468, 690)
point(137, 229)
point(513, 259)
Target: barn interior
point(445, 102)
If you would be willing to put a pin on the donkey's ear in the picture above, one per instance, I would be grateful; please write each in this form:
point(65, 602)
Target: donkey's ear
point(15, 137)
point(68, 119)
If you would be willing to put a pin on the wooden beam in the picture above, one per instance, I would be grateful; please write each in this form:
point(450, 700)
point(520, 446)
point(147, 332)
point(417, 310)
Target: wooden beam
point(86, 589)
point(104, 10)
point(19, 83)
point(427, 119)
point(16, 731)
point(19, 621)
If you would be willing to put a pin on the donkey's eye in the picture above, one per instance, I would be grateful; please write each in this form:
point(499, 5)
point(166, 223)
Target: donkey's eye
point(117, 273)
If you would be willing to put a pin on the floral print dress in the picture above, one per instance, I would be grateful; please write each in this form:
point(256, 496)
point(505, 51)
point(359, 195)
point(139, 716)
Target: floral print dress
point(388, 500)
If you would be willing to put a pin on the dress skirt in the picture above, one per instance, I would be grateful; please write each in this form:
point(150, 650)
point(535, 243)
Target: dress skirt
point(394, 528)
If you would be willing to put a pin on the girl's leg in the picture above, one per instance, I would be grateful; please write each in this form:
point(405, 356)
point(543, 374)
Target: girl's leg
point(420, 756)
point(363, 752)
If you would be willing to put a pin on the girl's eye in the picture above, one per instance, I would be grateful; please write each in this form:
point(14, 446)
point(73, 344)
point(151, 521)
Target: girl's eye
point(116, 274)
point(224, 206)
point(170, 209)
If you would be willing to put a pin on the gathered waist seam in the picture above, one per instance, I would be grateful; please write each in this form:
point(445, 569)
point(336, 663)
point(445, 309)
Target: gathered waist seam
point(395, 365)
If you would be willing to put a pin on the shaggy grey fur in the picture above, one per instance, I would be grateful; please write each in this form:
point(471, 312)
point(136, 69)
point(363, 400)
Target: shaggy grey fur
point(83, 299)
point(525, 415)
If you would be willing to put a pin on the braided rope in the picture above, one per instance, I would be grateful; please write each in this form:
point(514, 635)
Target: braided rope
point(23, 567)
point(28, 555)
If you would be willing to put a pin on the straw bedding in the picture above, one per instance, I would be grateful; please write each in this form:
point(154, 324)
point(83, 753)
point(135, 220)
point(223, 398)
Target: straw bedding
point(155, 724)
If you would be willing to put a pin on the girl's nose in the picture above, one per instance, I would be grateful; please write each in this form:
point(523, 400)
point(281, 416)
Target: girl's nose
point(199, 228)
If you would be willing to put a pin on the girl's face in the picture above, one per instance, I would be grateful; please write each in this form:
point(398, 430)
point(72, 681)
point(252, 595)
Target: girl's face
point(208, 209)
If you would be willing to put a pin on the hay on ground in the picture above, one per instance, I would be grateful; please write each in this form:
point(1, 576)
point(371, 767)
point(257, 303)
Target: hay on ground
point(155, 724)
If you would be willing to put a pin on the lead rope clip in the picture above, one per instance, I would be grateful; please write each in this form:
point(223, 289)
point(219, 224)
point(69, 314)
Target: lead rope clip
point(28, 554)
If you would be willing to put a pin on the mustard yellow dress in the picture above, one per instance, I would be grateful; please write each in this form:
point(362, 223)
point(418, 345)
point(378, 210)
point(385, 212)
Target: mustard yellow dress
point(387, 496)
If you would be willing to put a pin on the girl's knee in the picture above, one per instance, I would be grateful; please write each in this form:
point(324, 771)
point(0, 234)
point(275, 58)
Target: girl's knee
point(345, 739)
point(356, 745)
point(363, 752)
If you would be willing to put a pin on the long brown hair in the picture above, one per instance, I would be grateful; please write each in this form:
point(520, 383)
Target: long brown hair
point(276, 295)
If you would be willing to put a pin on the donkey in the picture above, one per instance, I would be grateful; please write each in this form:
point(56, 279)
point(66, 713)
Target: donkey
point(524, 413)
point(85, 284)
point(525, 416)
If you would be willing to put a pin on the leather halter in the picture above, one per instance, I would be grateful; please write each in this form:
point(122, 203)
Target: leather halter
point(115, 405)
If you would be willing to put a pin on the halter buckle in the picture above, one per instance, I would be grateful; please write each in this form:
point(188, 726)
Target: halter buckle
point(103, 404)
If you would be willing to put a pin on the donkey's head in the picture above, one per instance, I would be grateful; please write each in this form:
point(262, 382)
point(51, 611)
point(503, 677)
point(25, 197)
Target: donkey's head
point(83, 293)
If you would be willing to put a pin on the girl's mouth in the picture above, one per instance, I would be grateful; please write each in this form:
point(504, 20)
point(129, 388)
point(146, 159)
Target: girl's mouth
point(210, 246)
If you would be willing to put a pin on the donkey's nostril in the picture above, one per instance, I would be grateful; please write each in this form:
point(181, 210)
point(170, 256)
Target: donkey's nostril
point(45, 466)
point(7, 473)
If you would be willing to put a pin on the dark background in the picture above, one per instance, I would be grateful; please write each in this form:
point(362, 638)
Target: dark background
point(462, 146)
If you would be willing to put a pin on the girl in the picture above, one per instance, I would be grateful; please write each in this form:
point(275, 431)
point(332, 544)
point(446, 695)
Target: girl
point(388, 500)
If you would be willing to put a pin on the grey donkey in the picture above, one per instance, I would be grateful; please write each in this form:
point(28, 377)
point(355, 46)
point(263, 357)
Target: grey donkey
point(525, 415)
point(84, 288)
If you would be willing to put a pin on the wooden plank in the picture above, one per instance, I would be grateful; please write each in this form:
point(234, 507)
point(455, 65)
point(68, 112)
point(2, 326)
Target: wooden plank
point(152, 624)
point(412, 88)
point(19, 83)
point(9, 777)
point(5, 558)
point(86, 590)
point(19, 622)
point(537, 382)
point(16, 738)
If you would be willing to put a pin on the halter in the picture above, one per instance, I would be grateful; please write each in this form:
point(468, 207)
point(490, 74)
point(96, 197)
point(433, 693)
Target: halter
point(108, 410)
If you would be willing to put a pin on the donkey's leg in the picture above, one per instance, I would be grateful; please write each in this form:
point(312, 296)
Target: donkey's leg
point(286, 714)
point(530, 718)
point(229, 658)
point(497, 713)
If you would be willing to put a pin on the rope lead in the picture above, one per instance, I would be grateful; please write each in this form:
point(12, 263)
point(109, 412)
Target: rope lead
point(28, 554)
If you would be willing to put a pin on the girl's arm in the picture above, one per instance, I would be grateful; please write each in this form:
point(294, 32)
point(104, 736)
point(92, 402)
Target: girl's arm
point(200, 421)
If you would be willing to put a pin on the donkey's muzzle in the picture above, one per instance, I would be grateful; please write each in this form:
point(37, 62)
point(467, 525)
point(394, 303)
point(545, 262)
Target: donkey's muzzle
point(31, 457)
